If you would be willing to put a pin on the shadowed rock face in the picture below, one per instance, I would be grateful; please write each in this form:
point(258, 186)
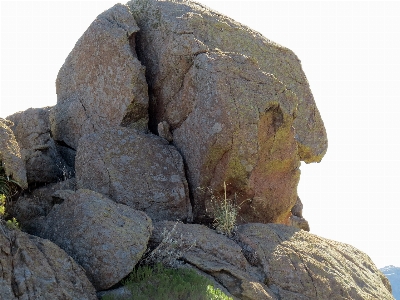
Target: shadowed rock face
point(101, 83)
point(139, 170)
point(10, 154)
point(44, 163)
point(238, 105)
point(34, 268)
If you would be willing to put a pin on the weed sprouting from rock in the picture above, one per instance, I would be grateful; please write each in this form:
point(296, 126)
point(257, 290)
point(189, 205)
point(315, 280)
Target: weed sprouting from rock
point(225, 214)
point(170, 251)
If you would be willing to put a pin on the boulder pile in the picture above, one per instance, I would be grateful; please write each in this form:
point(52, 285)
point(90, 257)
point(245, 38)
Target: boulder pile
point(164, 110)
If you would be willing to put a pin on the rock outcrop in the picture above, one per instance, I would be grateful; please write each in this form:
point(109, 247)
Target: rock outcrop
point(101, 83)
point(273, 261)
point(229, 106)
point(44, 163)
point(239, 106)
point(107, 239)
point(34, 268)
point(136, 169)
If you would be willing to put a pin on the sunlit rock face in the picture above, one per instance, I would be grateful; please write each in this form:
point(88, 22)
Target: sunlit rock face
point(101, 83)
point(239, 107)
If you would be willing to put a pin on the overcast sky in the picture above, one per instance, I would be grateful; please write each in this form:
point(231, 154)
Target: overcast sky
point(350, 54)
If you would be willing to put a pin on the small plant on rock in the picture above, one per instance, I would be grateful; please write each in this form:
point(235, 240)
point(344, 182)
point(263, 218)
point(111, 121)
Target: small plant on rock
point(169, 251)
point(225, 214)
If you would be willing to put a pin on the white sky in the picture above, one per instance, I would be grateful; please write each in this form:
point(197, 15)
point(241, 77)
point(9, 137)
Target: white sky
point(350, 53)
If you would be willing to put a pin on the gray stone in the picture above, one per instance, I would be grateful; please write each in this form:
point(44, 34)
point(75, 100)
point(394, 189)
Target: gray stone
point(35, 268)
point(101, 83)
point(107, 239)
point(44, 163)
point(37, 203)
point(136, 169)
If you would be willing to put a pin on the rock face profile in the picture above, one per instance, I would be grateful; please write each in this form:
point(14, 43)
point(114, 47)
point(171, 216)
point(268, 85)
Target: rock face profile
point(34, 268)
point(239, 106)
point(101, 83)
point(166, 110)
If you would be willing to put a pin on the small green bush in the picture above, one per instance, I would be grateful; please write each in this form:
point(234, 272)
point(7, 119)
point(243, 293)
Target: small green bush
point(160, 283)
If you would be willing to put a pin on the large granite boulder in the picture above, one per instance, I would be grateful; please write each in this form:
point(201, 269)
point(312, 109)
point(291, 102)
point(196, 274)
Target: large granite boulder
point(101, 83)
point(274, 261)
point(239, 106)
point(44, 163)
point(107, 239)
point(10, 154)
point(136, 169)
point(35, 268)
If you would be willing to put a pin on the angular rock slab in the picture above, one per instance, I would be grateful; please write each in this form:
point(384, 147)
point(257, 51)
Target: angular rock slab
point(35, 268)
point(174, 32)
point(107, 239)
point(101, 83)
point(44, 163)
point(139, 170)
point(10, 154)
point(216, 255)
point(300, 265)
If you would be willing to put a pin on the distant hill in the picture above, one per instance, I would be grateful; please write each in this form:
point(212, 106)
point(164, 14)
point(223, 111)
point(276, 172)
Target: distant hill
point(393, 274)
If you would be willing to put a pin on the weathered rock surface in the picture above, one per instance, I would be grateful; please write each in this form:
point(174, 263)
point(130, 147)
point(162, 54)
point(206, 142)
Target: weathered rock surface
point(300, 265)
point(37, 203)
point(239, 106)
point(273, 261)
point(107, 239)
point(136, 169)
point(34, 268)
point(44, 163)
point(101, 83)
point(10, 154)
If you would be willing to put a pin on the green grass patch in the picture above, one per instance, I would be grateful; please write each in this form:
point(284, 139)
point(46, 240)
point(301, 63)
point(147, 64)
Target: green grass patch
point(160, 283)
